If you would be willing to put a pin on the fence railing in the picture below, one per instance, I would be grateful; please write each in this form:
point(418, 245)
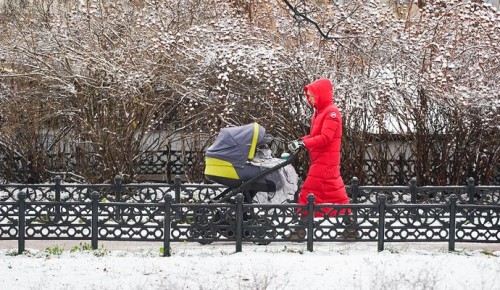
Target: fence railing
point(184, 192)
point(176, 213)
point(164, 165)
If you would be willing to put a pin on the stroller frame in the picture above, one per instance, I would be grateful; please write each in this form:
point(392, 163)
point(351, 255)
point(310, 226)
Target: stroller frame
point(245, 186)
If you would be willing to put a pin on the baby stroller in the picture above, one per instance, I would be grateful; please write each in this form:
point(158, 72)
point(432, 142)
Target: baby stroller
point(241, 159)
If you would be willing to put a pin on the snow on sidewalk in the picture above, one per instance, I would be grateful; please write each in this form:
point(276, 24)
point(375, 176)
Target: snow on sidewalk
point(126, 265)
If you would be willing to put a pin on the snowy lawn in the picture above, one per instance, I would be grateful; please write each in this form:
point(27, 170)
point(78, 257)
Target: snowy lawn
point(124, 265)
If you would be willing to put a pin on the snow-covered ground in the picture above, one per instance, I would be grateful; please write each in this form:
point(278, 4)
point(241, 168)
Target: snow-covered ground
point(125, 265)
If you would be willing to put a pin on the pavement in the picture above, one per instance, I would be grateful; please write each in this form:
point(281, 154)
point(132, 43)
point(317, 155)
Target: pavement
point(130, 246)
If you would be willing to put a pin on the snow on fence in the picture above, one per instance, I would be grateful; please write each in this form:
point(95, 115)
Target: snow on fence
point(145, 212)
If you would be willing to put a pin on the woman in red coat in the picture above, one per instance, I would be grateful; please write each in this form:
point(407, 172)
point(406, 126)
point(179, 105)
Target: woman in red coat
point(323, 143)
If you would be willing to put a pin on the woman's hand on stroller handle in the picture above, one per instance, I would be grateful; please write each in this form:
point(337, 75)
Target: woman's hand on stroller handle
point(295, 145)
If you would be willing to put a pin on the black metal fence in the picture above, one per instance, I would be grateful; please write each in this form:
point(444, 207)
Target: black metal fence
point(178, 212)
point(165, 165)
point(172, 163)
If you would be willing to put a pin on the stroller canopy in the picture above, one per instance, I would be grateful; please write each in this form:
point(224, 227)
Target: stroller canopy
point(237, 144)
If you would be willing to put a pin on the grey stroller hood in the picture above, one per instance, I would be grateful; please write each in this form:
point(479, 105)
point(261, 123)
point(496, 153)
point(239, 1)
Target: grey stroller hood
point(237, 145)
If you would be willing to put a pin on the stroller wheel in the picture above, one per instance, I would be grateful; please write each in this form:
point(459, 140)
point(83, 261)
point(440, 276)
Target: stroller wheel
point(202, 227)
point(226, 229)
point(204, 235)
point(210, 224)
point(261, 228)
point(262, 243)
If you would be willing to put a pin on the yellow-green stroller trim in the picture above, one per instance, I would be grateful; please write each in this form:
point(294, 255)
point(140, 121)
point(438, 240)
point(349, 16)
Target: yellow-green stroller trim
point(220, 168)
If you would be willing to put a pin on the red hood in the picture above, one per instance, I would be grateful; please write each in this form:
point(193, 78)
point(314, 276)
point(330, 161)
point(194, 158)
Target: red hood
point(323, 90)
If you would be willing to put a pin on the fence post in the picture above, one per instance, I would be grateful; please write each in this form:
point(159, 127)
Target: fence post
point(471, 190)
point(381, 222)
point(22, 222)
point(310, 221)
point(355, 193)
point(239, 221)
point(166, 225)
point(95, 217)
point(452, 229)
point(118, 196)
point(177, 189)
point(57, 191)
point(413, 190)
point(354, 189)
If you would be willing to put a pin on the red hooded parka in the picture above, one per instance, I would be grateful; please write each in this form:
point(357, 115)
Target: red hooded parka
point(323, 143)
